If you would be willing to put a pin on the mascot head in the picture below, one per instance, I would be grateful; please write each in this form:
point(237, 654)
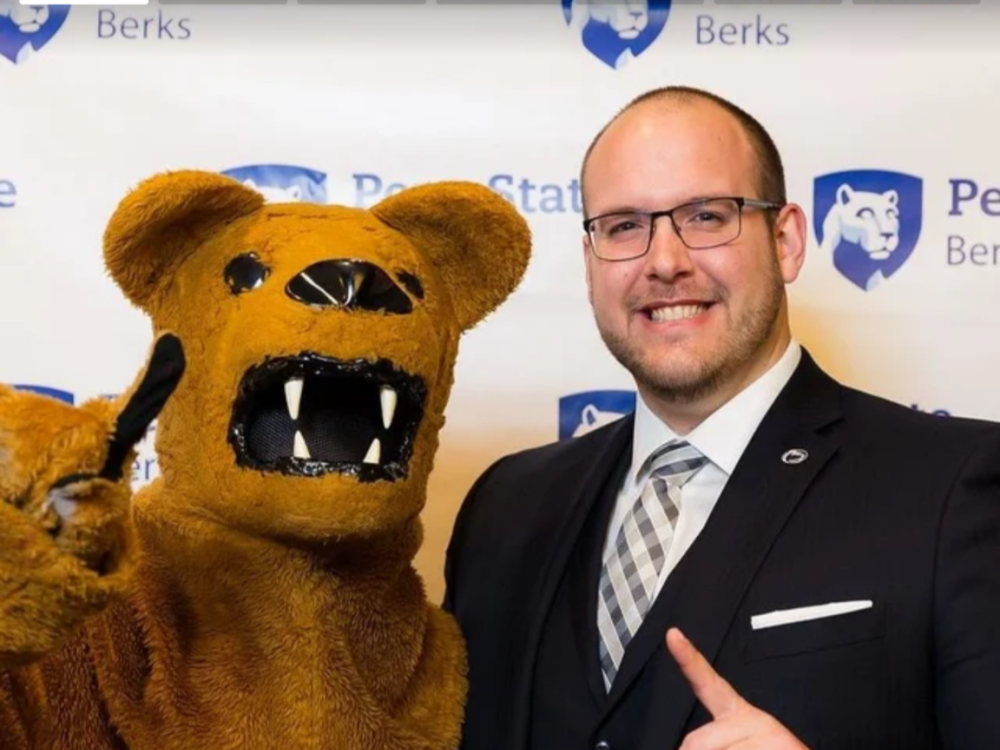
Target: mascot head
point(320, 342)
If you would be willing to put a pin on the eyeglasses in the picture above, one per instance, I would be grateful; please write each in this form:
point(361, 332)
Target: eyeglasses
point(703, 224)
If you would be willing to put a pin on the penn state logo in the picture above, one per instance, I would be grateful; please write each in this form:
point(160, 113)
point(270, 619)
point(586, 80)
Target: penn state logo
point(868, 221)
point(25, 29)
point(282, 183)
point(616, 31)
point(580, 413)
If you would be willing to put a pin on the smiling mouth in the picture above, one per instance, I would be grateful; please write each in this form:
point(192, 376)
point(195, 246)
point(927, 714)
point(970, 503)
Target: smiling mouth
point(312, 415)
point(670, 313)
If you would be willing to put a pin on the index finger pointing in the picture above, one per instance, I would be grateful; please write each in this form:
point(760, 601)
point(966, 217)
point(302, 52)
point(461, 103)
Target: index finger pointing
point(711, 689)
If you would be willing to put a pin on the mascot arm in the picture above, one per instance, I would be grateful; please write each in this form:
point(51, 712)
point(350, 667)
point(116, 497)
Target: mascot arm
point(65, 537)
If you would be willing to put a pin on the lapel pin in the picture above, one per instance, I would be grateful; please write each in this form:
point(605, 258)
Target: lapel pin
point(795, 456)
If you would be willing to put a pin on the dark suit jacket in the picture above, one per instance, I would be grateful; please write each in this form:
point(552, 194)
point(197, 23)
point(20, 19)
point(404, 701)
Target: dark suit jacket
point(891, 505)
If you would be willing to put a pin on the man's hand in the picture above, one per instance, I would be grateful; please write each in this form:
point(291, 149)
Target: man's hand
point(736, 724)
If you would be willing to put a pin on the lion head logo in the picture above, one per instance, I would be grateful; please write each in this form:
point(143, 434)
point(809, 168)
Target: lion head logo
point(27, 28)
point(868, 222)
point(863, 218)
point(616, 31)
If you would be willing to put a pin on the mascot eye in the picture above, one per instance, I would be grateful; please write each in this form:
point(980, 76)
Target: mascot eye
point(412, 284)
point(245, 272)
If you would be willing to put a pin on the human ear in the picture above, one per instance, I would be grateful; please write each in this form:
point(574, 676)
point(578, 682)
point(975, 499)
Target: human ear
point(790, 240)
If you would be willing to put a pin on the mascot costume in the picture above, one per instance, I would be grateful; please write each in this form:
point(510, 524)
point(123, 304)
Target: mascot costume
point(260, 593)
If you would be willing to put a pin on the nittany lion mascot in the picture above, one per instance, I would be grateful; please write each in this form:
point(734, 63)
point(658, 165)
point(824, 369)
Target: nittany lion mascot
point(260, 593)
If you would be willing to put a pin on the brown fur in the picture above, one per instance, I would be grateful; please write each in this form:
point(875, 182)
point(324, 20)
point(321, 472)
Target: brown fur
point(233, 608)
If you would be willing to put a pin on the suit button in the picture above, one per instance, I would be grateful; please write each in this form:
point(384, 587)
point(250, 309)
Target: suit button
point(602, 745)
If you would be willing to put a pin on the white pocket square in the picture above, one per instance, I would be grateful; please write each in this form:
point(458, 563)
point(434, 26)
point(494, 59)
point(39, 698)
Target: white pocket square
point(803, 614)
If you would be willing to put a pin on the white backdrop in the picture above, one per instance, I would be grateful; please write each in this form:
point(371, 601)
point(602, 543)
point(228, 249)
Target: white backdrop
point(349, 100)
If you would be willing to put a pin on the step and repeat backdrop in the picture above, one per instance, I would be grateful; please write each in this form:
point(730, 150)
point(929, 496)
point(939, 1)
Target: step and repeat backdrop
point(886, 116)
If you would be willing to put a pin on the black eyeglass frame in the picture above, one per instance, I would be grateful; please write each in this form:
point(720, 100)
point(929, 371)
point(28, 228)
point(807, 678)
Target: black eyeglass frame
point(740, 201)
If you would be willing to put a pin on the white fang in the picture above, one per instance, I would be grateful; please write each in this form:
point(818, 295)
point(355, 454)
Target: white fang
point(389, 399)
point(293, 396)
point(374, 452)
point(301, 450)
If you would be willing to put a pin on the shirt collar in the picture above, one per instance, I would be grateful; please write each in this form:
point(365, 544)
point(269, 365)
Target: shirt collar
point(724, 435)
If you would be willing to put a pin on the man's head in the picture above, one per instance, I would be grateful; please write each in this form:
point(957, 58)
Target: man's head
point(690, 324)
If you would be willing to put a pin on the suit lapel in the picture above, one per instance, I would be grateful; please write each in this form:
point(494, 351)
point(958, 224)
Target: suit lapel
point(584, 582)
point(707, 587)
point(580, 484)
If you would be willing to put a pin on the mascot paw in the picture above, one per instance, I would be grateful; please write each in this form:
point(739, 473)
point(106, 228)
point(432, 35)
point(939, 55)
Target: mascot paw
point(65, 467)
point(64, 502)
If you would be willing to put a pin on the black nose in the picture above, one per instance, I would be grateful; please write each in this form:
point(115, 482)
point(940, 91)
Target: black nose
point(350, 284)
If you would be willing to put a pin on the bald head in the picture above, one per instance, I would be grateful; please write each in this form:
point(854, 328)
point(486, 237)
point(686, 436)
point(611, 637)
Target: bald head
point(713, 112)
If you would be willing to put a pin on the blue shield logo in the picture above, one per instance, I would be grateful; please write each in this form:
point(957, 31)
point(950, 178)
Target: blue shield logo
point(580, 413)
point(45, 390)
point(25, 29)
point(282, 183)
point(616, 31)
point(868, 221)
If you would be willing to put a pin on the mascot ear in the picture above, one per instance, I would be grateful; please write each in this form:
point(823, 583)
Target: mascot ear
point(477, 241)
point(162, 220)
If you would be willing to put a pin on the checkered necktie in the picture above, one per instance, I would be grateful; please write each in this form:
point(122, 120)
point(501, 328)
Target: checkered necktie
point(632, 569)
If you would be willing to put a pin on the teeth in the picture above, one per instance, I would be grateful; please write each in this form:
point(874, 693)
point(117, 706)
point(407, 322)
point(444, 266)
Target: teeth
point(293, 396)
point(677, 312)
point(301, 450)
point(374, 452)
point(389, 399)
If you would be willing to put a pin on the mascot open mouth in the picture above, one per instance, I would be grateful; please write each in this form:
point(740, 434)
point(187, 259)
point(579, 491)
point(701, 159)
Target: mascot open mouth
point(312, 415)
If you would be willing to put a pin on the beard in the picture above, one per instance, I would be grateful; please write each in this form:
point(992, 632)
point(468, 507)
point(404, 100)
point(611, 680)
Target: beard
point(689, 381)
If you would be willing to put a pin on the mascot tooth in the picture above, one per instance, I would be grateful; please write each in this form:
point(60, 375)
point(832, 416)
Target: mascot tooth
point(260, 592)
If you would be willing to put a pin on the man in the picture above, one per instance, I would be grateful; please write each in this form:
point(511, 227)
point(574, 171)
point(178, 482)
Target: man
point(759, 557)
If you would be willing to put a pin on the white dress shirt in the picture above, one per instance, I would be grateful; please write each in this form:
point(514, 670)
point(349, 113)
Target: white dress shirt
point(721, 438)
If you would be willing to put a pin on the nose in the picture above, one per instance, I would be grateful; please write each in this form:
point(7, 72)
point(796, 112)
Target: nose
point(668, 256)
point(349, 285)
point(886, 235)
